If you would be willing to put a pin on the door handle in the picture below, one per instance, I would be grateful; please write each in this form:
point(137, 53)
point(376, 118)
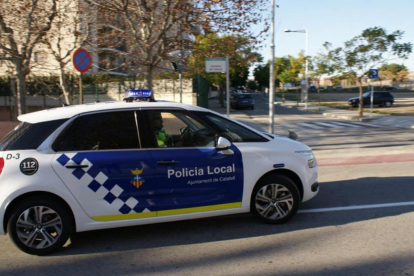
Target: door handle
point(76, 166)
point(172, 162)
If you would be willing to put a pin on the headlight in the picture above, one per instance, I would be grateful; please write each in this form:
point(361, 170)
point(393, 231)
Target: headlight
point(304, 152)
point(311, 158)
point(312, 163)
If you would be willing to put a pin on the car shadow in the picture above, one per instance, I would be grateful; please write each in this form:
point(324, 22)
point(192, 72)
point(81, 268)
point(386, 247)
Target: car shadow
point(361, 191)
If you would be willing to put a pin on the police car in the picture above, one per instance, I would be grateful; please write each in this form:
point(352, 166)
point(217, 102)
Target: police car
point(115, 164)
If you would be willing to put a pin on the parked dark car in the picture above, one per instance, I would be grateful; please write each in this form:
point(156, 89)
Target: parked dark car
point(242, 101)
point(388, 87)
point(312, 88)
point(381, 98)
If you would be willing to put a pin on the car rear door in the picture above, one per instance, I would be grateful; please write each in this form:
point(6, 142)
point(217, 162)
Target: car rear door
point(100, 160)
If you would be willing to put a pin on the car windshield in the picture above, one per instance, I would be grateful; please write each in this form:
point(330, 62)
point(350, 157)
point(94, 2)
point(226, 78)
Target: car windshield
point(366, 94)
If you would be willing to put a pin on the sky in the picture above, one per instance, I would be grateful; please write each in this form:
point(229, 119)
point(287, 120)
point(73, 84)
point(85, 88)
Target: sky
point(337, 21)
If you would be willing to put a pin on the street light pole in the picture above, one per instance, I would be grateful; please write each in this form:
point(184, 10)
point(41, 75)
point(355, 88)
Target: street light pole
point(271, 73)
point(306, 31)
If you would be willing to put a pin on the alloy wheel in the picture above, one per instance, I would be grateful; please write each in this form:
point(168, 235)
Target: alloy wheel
point(274, 201)
point(39, 227)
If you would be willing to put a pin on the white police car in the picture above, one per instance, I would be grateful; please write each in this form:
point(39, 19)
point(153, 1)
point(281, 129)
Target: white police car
point(115, 164)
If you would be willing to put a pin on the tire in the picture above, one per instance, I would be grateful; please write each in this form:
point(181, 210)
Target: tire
point(28, 230)
point(387, 104)
point(267, 203)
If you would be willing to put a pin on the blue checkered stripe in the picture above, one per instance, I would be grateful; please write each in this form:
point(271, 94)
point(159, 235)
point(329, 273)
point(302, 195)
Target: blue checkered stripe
point(99, 184)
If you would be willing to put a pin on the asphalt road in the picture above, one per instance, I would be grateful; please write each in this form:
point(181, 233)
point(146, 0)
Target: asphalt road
point(360, 223)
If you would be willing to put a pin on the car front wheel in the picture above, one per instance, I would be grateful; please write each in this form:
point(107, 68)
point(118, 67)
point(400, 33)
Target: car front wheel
point(275, 199)
point(387, 104)
point(40, 226)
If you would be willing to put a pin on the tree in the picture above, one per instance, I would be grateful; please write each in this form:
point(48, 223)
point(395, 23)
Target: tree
point(66, 36)
point(261, 75)
point(23, 24)
point(284, 73)
point(403, 75)
point(394, 72)
point(394, 68)
point(322, 65)
point(153, 29)
point(372, 47)
point(237, 48)
point(252, 85)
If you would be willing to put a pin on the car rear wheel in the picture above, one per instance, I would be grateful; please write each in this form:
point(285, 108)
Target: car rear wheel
point(275, 199)
point(387, 104)
point(40, 226)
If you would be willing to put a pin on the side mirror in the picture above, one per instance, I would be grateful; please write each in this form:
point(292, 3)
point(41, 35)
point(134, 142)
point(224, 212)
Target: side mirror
point(223, 144)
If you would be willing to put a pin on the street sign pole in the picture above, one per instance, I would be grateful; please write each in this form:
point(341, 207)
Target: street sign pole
point(80, 89)
point(373, 76)
point(372, 97)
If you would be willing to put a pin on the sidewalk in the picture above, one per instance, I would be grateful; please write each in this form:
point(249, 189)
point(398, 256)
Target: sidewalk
point(214, 105)
point(379, 119)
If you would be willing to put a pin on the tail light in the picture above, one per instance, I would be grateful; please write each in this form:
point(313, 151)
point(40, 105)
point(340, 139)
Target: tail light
point(1, 164)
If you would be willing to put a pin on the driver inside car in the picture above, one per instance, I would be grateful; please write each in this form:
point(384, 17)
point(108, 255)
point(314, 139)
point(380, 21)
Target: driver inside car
point(158, 128)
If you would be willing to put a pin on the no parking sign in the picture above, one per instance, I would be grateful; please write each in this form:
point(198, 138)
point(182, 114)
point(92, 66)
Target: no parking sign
point(82, 60)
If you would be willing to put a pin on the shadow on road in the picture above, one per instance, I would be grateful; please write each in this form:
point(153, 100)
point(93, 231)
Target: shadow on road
point(246, 226)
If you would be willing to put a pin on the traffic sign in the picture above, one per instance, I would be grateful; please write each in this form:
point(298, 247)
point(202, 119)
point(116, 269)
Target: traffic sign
point(82, 60)
point(373, 74)
point(216, 65)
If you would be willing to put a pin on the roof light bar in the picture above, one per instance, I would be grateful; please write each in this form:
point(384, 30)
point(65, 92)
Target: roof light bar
point(137, 95)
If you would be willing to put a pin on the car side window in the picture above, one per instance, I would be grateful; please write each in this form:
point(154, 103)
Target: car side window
point(173, 129)
point(232, 131)
point(103, 131)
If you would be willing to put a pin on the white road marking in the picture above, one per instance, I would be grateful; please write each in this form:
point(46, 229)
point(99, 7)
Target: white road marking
point(366, 125)
point(328, 125)
point(356, 207)
point(348, 125)
point(309, 125)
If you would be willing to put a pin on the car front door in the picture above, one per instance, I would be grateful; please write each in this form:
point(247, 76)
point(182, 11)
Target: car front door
point(192, 175)
point(100, 160)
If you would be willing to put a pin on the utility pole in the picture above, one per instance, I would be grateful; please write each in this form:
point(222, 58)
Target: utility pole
point(271, 77)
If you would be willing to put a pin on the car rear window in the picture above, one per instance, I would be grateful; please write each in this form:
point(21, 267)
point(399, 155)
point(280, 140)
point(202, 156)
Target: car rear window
point(244, 97)
point(29, 136)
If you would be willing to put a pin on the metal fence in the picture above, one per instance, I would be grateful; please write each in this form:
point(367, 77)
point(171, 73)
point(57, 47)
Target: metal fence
point(91, 93)
point(112, 91)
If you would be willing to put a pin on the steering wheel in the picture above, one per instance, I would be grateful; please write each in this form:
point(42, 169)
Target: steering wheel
point(186, 135)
